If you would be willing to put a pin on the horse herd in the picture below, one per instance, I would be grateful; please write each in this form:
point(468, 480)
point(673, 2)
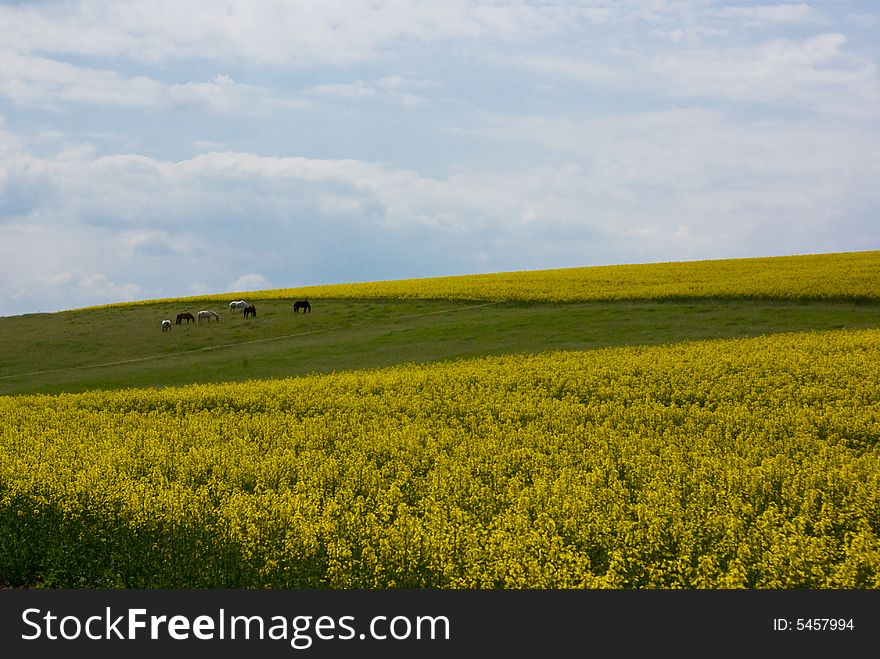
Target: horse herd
point(234, 306)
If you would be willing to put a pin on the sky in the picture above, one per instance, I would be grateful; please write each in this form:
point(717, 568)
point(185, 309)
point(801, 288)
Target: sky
point(160, 149)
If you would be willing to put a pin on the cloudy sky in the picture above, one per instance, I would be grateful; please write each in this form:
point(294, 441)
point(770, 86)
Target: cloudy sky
point(154, 148)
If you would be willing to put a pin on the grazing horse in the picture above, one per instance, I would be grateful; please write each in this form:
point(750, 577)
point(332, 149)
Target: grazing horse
point(166, 325)
point(208, 315)
point(236, 305)
point(250, 310)
point(187, 316)
point(302, 304)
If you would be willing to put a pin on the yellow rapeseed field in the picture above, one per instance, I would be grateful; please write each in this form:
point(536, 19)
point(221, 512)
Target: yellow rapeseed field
point(745, 463)
point(844, 276)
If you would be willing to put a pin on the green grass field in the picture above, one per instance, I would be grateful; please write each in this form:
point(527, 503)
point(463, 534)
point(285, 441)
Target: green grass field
point(123, 346)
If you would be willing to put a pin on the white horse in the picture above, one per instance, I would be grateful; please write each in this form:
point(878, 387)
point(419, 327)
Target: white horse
point(166, 325)
point(237, 305)
point(207, 316)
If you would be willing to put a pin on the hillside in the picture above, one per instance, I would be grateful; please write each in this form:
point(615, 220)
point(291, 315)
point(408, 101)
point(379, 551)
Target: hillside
point(836, 276)
point(419, 321)
point(632, 437)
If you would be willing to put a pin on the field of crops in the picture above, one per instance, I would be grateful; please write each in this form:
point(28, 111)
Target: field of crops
point(844, 276)
point(739, 463)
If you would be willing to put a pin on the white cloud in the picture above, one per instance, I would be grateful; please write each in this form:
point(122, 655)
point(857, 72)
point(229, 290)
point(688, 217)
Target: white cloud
point(730, 181)
point(407, 92)
point(250, 282)
point(815, 73)
point(149, 243)
point(223, 94)
point(73, 289)
point(88, 285)
point(267, 32)
point(337, 204)
point(33, 80)
point(39, 81)
point(797, 14)
point(73, 151)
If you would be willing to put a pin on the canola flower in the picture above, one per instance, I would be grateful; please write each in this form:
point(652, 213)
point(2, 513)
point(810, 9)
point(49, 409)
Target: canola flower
point(853, 276)
point(717, 464)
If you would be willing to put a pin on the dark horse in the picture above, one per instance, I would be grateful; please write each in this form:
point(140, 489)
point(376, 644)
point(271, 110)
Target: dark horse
point(250, 310)
point(187, 316)
point(302, 304)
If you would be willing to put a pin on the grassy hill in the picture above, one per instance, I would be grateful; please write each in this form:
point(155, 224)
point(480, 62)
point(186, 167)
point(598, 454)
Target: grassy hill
point(426, 320)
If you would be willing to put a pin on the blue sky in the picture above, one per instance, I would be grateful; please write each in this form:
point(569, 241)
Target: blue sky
point(152, 149)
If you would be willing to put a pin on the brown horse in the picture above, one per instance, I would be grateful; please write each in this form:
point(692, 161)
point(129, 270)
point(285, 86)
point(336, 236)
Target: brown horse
point(302, 304)
point(187, 316)
point(250, 310)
